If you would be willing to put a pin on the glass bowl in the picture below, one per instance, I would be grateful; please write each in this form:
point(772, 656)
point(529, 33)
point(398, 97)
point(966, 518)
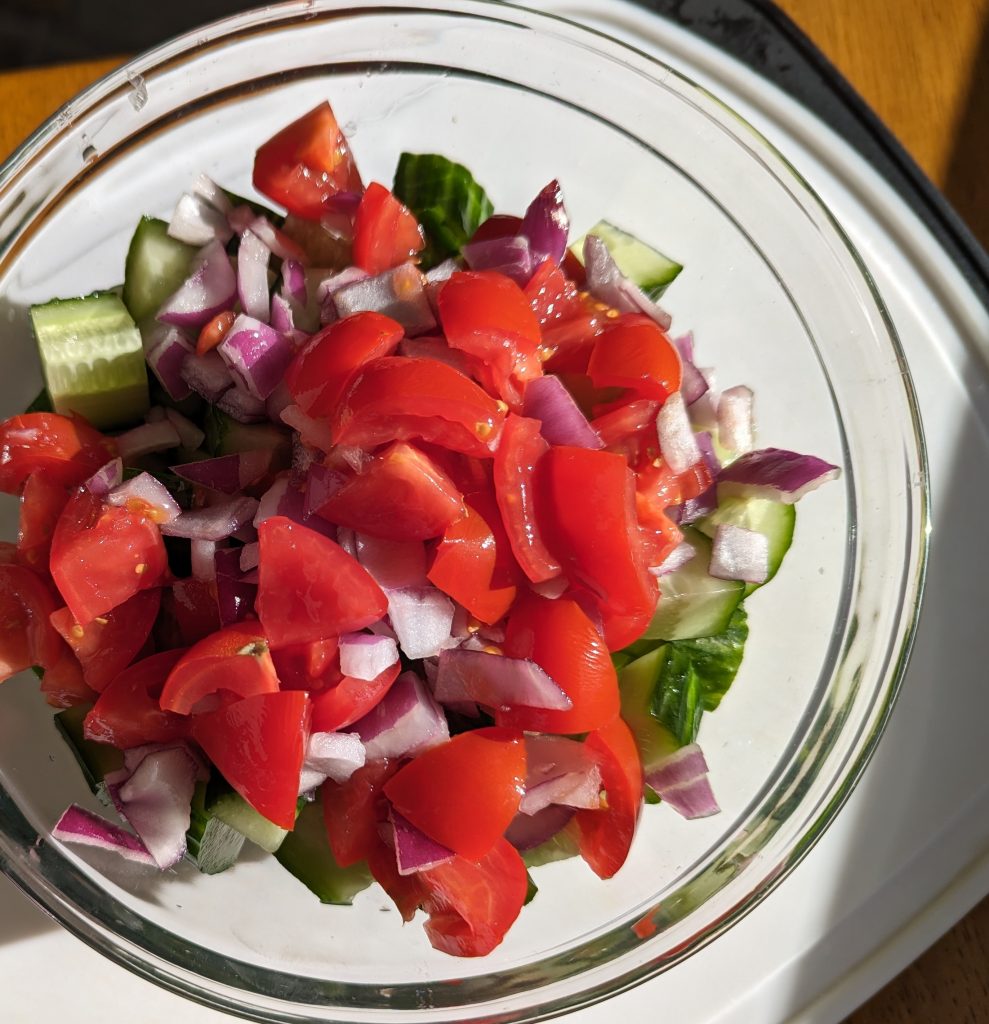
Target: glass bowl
point(776, 298)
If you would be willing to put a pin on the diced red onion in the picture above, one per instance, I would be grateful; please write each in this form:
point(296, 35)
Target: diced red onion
point(546, 225)
point(133, 756)
point(77, 825)
point(331, 755)
point(166, 349)
point(510, 255)
point(706, 446)
point(736, 430)
point(739, 554)
point(203, 557)
point(282, 318)
point(405, 722)
point(526, 831)
point(214, 195)
point(443, 271)
point(278, 401)
point(496, 681)
point(189, 434)
point(315, 433)
point(329, 286)
point(216, 522)
point(551, 589)
point(211, 288)
point(345, 538)
point(228, 474)
point(414, 850)
point(697, 508)
point(197, 222)
point(366, 656)
point(559, 771)
point(421, 618)
point(236, 592)
point(252, 276)
point(693, 383)
point(294, 281)
point(676, 559)
point(242, 406)
point(398, 293)
point(250, 556)
point(148, 489)
point(322, 482)
point(681, 780)
point(256, 354)
point(776, 474)
point(609, 285)
point(207, 375)
point(271, 501)
point(243, 218)
point(147, 438)
point(106, 478)
point(394, 564)
point(547, 400)
point(435, 348)
point(676, 436)
point(572, 789)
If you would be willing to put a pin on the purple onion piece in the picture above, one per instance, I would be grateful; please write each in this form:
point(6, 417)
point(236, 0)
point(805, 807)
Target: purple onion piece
point(252, 276)
point(144, 487)
point(496, 681)
point(394, 564)
point(546, 225)
point(547, 400)
point(235, 592)
point(774, 473)
point(365, 656)
point(243, 218)
point(147, 438)
point(559, 771)
point(322, 482)
point(166, 349)
point(697, 508)
point(77, 825)
point(315, 433)
point(189, 434)
point(203, 559)
point(609, 285)
point(241, 406)
point(257, 355)
point(214, 195)
point(282, 316)
point(207, 375)
point(677, 442)
point(573, 789)
point(511, 256)
point(414, 850)
point(405, 722)
point(739, 554)
point(216, 522)
point(228, 474)
point(681, 780)
point(329, 286)
point(294, 281)
point(398, 293)
point(705, 444)
point(527, 831)
point(211, 288)
point(435, 348)
point(331, 755)
point(106, 478)
point(422, 619)
point(676, 559)
point(736, 423)
point(250, 556)
point(197, 222)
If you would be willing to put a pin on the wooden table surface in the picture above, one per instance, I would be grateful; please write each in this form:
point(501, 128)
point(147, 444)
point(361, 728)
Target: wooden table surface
point(923, 65)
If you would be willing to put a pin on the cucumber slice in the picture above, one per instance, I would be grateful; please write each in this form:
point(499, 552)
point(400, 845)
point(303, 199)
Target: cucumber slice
point(227, 436)
point(212, 845)
point(693, 603)
point(649, 269)
point(96, 760)
point(562, 846)
point(232, 809)
point(92, 359)
point(156, 266)
point(306, 854)
point(774, 519)
point(637, 684)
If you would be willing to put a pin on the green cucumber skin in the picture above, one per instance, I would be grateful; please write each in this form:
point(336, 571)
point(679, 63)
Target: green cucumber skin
point(155, 268)
point(232, 809)
point(96, 760)
point(640, 263)
point(636, 684)
point(210, 844)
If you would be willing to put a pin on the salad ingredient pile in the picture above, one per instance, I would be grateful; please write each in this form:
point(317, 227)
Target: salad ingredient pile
point(389, 534)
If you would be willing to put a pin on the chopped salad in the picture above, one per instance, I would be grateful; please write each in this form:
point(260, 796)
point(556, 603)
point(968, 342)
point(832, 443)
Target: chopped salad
point(398, 537)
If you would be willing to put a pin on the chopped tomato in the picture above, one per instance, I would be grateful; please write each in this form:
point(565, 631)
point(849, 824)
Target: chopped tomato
point(401, 399)
point(258, 744)
point(606, 834)
point(551, 295)
point(235, 659)
point(66, 449)
point(342, 703)
point(472, 903)
point(42, 502)
point(406, 891)
point(63, 685)
point(568, 342)
point(127, 713)
point(320, 373)
point(188, 613)
point(310, 588)
point(214, 332)
point(401, 494)
point(630, 430)
point(464, 567)
point(498, 225)
point(488, 316)
point(635, 352)
point(385, 231)
point(102, 555)
point(306, 164)
point(519, 452)
point(464, 792)
point(354, 809)
point(312, 666)
point(587, 501)
point(109, 643)
point(27, 637)
point(559, 637)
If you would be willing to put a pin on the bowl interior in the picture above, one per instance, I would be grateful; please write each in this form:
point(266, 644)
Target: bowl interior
point(775, 299)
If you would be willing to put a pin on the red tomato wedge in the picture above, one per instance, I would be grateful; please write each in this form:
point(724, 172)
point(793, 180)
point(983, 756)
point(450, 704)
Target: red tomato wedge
point(343, 703)
point(66, 449)
point(519, 452)
point(606, 834)
point(127, 713)
point(401, 494)
point(63, 685)
point(400, 399)
point(310, 588)
point(406, 891)
point(472, 903)
point(587, 501)
point(465, 792)
point(306, 164)
point(552, 296)
point(109, 643)
point(635, 352)
point(559, 637)
point(312, 666)
point(42, 502)
point(27, 637)
point(354, 809)
point(385, 232)
point(103, 555)
point(321, 372)
point(258, 744)
point(235, 659)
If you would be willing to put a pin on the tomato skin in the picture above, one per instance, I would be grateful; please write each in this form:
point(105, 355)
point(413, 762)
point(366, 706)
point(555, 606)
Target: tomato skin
point(472, 904)
point(401, 494)
point(559, 637)
point(630, 429)
point(406, 891)
point(102, 555)
point(108, 644)
point(551, 295)
point(634, 352)
point(350, 699)
point(312, 666)
point(305, 164)
point(42, 502)
point(66, 449)
point(310, 588)
point(385, 231)
point(597, 536)
point(235, 658)
point(320, 373)
point(463, 793)
point(519, 452)
point(258, 744)
point(63, 685)
point(353, 810)
point(401, 399)
point(606, 834)
point(127, 713)
point(26, 635)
